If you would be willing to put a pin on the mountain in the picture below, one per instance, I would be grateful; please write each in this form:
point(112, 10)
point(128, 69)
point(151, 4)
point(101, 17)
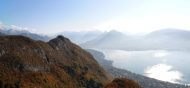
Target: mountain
point(1, 34)
point(172, 33)
point(24, 33)
point(99, 56)
point(81, 37)
point(166, 39)
point(145, 82)
point(123, 83)
point(106, 40)
point(59, 63)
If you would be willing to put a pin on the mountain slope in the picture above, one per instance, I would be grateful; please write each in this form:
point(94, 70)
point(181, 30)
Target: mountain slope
point(27, 63)
point(106, 40)
point(24, 33)
point(145, 82)
point(173, 33)
point(166, 39)
point(81, 37)
point(1, 34)
point(123, 83)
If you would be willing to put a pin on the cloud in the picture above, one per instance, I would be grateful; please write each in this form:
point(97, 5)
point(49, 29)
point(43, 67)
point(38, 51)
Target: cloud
point(18, 27)
point(15, 27)
point(164, 72)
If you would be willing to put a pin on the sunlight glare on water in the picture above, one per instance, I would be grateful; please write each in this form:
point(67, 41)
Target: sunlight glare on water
point(163, 72)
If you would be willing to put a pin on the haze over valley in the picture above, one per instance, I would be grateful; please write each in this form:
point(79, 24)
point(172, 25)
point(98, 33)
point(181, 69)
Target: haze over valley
point(94, 43)
point(147, 54)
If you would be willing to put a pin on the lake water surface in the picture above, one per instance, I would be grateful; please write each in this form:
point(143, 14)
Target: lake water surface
point(171, 66)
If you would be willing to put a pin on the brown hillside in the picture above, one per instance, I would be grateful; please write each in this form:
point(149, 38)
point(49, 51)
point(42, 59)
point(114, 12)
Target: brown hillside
point(123, 83)
point(26, 63)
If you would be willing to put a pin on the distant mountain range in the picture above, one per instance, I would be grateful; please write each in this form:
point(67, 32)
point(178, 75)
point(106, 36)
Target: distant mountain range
point(34, 36)
point(81, 37)
point(145, 82)
point(167, 39)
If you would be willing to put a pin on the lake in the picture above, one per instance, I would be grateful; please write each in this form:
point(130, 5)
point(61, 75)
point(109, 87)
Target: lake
point(171, 66)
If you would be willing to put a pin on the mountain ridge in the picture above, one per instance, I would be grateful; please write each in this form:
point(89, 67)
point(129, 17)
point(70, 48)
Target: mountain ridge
point(9, 31)
point(25, 62)
point(157, 40)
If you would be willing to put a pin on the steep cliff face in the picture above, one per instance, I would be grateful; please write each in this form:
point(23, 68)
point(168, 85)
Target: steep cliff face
point(26, 63)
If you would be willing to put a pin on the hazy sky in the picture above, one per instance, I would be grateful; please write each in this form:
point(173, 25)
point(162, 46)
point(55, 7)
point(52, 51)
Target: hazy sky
point(134, 16)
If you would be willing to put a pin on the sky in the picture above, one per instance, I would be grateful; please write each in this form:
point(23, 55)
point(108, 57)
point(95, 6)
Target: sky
point(131, 16)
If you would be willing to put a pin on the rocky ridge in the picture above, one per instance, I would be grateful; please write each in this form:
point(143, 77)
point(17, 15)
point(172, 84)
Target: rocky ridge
point(28, 63)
